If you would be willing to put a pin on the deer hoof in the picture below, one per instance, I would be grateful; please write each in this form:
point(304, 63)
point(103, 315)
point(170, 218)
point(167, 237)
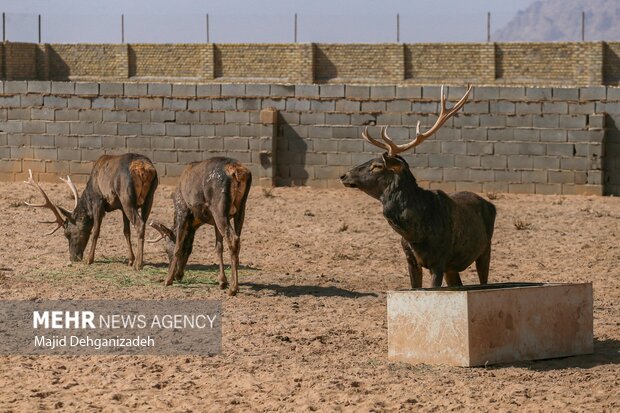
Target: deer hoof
point(223, 285)
point(232, 293)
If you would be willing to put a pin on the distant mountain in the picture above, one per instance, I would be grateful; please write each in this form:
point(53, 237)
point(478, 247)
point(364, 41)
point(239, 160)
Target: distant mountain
point(560, 20)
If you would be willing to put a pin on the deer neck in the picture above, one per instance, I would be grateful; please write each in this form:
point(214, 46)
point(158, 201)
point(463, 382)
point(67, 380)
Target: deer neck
point(404, 203)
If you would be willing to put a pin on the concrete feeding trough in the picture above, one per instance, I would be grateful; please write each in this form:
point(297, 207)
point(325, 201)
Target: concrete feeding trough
point(486, 324)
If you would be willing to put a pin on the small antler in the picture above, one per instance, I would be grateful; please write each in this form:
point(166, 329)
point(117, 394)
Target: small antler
point(47, 204)
point(69, 182)
point(163, 231)
point(394, 149)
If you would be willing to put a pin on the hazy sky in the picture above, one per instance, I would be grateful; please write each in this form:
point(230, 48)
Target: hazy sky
point(236, 21)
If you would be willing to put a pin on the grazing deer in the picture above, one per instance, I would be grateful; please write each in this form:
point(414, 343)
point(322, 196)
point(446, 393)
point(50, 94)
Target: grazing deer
point(444, 233)
point(209, 192)
point(126, 182)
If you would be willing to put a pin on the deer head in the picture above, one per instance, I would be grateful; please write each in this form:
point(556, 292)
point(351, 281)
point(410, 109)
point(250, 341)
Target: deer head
point(374, 176)
point(77, 226)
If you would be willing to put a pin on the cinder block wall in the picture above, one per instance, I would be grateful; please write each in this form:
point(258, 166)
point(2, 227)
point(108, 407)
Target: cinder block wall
point(509, 139)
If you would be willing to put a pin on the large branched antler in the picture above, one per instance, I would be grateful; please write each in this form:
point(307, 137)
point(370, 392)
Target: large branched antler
point(445, 114)
point(47, 204)
point(163, 230)
point(69, 182)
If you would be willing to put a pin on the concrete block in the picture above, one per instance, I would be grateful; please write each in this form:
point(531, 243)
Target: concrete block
point(508, 176)
point(466, 161)
point(476, 107)
point(174, 129)
point(75, 102)
point(277, 104)
point(409, 92)
point(113, 142)
point(307, 90)
point(111, 89)
point(520, 162)
point(538, 93)
point(454, 147)
point(103, 103)
point(137, 116)
point(138, 142)
point(546, 162)
point(183, 90)
point(583, 108)
point(481, 175)
point(213, 143)
point(135, 89)
point(507, 148)
point(494, 161)
point(337, 119)
point(105, 128)
point(34, 126)
point(199, 104)
point(212, 90)
point(236, 117)
point(257, 90)
point(431, 92)
point(497, 121)
point(15, 87)
point(573, 121)
point(175, 103)
point(248, 104)
point(441, 160)
point(553, 135)
point(485, 93)
point(14, 101)
point(455, 174)
point(331, 91)
point(561, 177)
point(129, 129)
point(212, 118)
point(126, 103)
point(389, 118)
point(526, 134)
point(63, 88)
point(57, 128)
point(159, 89)
point(318, 159)
point(345, 105)
point(503, 134)
point(114, 116)
point(89, 141)
point(512, 93)
point(39, 86)
point(361, 119)
point(227, 130)
point(31, 100)
point(546, 121)
point(502, 107)
point(592, 93)
point(382, 92)
point(233, 90)
point(322, 105)
point(18, 114)
point(555, 107)
point(151, 103)
point(53, 101)
point(161, 142)
point(461, 121)
point(358, 92)
point(376, 106)
point(534, 108)
point(519, 121)
point(399, 105)
point(185, 143)
point(160, 155)
point(562, 93)
point(532, 148)
point(95, 116)
point(42, 140)
point(282, 90)
point(423, 107)
point(41, 114)
point(81, 128)
point(87, 88)
point(560, 149)
point(188, 117)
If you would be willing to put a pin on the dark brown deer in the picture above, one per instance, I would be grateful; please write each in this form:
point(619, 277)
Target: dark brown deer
point(126, 182)
point(444, 233)
point(209, 192)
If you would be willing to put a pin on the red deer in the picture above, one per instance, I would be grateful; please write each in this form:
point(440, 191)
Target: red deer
point(126, 182)
point(209, 192)
point(444, 233)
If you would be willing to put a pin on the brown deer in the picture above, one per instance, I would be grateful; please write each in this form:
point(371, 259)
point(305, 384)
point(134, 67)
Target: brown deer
point(126, 182)
point(444, 233)
point(209, 192)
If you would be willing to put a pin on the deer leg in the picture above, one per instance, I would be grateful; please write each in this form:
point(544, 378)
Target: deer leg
point(415, 271)
point(141, 221)
point(219, 249)
point(232, 241)
point(97, 217)
point(127, 233)
point(453, 279)
point(482, 265)
point(437, 273)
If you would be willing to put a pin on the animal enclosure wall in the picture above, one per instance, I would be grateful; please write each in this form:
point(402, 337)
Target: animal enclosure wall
point(508, 139)
point(545, 64)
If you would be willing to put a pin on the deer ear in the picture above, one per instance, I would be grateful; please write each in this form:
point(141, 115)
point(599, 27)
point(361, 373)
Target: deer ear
point(393, 164)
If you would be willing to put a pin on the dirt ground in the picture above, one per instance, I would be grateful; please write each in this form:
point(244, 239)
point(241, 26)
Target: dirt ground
point(307, 330)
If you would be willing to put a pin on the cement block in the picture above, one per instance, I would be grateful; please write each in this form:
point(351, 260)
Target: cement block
point(538, 93)
point(257, 90)
point(15, 86)
point(87, 88)
point(175, 103)
point(307, 90)
point(382, 92)
point(359, 92)
point(408, 92)
point(331, 91)
point(111, 89)
point(39, 86)
point(63, 88)
point(593, 93)
point(184, 90)
point(208, 90)
point(159, 89)
point(562, 93)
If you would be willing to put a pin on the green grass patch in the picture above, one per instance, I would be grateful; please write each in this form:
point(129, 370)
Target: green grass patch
point(115, 271)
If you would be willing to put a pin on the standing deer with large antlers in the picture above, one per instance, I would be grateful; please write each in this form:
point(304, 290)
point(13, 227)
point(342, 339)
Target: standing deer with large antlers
point(126, 182)
point(209, 192)
point(444, 233)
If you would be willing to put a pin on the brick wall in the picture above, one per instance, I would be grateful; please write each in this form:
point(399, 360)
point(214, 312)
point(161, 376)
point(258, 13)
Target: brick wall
point(512, 139)
point(544, 64)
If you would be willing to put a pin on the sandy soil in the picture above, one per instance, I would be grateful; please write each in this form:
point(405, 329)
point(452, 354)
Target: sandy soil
point(308, 329)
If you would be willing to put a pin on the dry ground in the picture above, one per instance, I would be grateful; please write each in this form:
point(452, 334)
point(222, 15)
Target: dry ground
point(308, 329)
